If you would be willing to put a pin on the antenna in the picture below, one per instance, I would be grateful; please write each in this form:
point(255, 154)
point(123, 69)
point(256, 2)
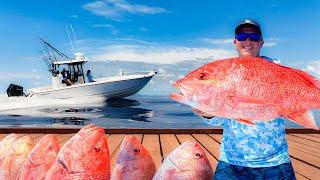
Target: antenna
point(70, 39)
point(74, 36)
point(53, 50)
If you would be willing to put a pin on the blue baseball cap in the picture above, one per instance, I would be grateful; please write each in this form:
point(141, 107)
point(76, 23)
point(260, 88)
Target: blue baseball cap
point(248, 23)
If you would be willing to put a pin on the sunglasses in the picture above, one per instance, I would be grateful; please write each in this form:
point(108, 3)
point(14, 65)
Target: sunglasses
point(253, 36)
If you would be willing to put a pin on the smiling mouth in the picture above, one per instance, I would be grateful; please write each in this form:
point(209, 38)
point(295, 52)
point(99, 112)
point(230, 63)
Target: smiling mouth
point(183, 96)
point(247, 47)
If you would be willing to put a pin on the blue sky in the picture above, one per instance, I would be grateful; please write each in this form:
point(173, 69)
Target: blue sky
point(158, 32)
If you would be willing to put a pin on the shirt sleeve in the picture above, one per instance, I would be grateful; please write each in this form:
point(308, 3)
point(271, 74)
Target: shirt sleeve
point(215, 121)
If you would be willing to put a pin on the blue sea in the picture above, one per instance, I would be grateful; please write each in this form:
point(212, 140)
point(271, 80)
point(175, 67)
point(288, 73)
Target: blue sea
point(138, 111)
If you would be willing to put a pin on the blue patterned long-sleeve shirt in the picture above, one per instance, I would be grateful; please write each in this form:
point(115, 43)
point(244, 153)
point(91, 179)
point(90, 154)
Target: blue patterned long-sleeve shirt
point(263, 145)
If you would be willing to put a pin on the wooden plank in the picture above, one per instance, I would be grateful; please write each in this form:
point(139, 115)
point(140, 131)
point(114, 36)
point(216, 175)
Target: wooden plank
point(186, 137)
point(114, 142)
point(305, 169)
point(216, 137)
point(63, 138)
point(212, 146)
point(315, 161)
point(302, 141)
point(300, 177)
point(169, 142)
point(151, 143)
point(314, 135)
point(304, 136)
point(304, 148)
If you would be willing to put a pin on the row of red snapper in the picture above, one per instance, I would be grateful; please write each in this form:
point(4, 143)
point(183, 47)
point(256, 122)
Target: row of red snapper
point(86, 156)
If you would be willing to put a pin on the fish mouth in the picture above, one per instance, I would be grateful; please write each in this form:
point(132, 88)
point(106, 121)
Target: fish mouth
point(174, 164)
point(184, 95)
point(179, 169)
point(33, 162)
point(63, 164)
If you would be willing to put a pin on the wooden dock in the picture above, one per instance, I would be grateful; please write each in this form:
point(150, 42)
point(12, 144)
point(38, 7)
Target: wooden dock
point(304, 146)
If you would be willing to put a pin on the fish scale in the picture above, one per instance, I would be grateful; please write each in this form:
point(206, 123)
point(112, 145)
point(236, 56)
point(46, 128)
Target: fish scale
point(83, 156)
point(40, 158)
point(134, 161)
point(238, 85)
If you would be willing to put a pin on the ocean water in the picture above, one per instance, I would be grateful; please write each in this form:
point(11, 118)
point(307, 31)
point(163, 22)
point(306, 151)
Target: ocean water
point(138, 111)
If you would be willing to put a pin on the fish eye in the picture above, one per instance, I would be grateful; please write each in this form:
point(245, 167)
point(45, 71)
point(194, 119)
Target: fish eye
point(198, 155)
point(96, 149)
point(202, 76)
point(136, 150)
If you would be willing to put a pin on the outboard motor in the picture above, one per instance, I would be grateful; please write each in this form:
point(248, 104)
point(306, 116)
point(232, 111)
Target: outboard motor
point(15, 90)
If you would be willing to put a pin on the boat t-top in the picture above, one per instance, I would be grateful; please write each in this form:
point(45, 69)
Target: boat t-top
point(69, 79)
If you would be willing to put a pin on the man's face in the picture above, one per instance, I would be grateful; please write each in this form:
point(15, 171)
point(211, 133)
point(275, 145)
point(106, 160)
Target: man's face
point(248, 47)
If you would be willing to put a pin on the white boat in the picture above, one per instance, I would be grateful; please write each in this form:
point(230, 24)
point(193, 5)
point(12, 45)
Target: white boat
point(122, 85)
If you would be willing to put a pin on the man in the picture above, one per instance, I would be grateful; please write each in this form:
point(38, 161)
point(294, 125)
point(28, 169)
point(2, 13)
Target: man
point(89, 76)
point(66, 77)
point(251, 152)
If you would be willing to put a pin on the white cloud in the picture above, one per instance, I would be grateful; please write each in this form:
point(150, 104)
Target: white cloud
point(116, 9)
point(159, 54)
point(103, 25)
point(313, 68)
point(135, 50)
point(161, 71)
point(270, 42)
point(143, 29)
point(16, 75)
point(113, 30)
point(180, 76)
point(74, 16)
point(218, 41)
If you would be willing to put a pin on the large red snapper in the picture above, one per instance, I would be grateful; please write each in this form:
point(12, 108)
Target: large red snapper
point(13, 161)
point(84, 156)
point(186, 162)
point(40, 158)
point(133, 162)
point(251, 89)
point(5, 145)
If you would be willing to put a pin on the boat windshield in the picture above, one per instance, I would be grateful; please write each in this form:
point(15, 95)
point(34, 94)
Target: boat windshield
point(70, 73)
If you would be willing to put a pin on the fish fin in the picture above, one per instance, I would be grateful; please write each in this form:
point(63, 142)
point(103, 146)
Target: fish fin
point(307, 77)
point(304, 118)
point(246, 122)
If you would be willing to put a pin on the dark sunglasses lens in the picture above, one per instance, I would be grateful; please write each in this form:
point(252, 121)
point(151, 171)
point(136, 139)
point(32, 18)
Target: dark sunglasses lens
point(241, 36)
point(255, 37)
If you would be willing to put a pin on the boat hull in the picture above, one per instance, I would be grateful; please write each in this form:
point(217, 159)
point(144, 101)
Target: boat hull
point(118, 88)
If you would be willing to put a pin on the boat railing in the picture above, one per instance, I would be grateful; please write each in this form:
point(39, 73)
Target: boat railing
point(144, 73)
point(138, 72)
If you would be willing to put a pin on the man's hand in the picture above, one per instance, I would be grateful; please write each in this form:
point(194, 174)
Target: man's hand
point(203, 114)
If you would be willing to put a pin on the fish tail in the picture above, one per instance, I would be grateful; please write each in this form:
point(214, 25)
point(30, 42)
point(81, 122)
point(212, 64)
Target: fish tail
point(304, 118)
